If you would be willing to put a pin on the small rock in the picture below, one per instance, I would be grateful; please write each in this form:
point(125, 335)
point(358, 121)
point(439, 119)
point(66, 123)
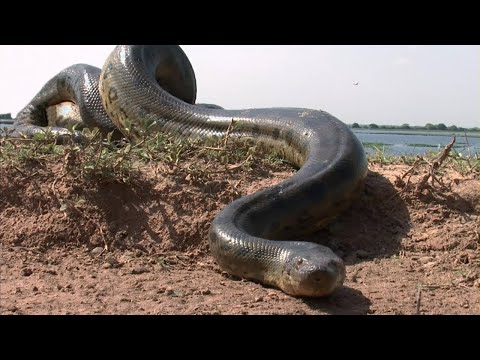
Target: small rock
point(206, 292)
point(27, 272)
point(52, 272)
point(354, 276)
point(178, 293)
point(463, 258)
point(106, 265)
point(35, 289)
point(2, 261)
point(122, 234)
point(273, 296)
point(139, 270)
point(409, 268)
point(59, 287)
point(362, 254)
point(425, 259)
point(169, 291)
point(258, 299)
point(97, 251)
point(476, 283)
point(430, 265)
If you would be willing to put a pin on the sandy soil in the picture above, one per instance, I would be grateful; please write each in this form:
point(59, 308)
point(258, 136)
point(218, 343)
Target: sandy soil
point(71, 246)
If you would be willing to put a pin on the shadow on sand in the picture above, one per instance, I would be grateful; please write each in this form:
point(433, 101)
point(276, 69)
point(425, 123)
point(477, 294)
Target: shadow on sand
point(373, 227)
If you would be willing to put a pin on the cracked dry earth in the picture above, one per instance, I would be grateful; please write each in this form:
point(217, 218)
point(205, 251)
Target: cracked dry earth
point(71, 247)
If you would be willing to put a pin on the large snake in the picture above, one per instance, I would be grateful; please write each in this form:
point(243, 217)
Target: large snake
point(259, 236)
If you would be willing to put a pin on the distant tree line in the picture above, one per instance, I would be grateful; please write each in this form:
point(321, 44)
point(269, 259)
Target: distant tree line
point(427, 126)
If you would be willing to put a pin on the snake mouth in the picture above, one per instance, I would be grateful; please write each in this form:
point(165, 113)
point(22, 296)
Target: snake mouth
point(309, 279)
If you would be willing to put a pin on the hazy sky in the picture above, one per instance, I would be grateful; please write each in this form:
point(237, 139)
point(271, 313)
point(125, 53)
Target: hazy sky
point(412, 84)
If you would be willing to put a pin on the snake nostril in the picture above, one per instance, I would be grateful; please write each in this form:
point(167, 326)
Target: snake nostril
point(298, 262)
point(324, 276)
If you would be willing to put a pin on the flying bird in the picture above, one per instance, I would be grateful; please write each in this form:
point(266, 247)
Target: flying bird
point(355, 83)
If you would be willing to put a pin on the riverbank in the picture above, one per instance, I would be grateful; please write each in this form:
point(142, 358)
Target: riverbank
point(417, 142)
point(124, 231)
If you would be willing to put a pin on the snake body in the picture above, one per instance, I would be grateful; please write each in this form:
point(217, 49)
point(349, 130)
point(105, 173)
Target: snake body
point(258, 236)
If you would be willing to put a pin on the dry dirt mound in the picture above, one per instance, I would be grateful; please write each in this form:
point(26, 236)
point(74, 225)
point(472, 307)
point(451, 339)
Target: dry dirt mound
point(69, 245)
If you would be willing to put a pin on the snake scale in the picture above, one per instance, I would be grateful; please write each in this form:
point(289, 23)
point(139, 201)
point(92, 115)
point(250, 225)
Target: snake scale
point(259, 236)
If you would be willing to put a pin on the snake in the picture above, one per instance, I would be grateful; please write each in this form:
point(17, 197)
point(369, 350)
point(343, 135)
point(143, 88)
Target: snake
point(262, 236)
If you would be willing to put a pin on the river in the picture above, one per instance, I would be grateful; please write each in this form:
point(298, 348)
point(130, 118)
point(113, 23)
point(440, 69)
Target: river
point(411, 142)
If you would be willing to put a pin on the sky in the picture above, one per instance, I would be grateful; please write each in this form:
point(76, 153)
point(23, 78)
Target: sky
point(397, 84)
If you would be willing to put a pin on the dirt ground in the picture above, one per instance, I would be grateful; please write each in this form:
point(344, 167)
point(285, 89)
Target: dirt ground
point(75, 247)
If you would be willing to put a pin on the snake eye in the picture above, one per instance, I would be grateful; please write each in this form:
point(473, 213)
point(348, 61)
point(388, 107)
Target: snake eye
point(299, 262)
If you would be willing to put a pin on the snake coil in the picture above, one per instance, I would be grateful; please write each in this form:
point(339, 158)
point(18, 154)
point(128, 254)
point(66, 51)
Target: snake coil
point(258, 236)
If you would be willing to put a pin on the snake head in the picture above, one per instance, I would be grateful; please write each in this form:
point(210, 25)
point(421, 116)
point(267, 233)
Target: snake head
point(313, 271)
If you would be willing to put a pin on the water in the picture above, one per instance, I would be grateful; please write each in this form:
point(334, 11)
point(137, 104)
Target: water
point(413, 142)
point(406, 142)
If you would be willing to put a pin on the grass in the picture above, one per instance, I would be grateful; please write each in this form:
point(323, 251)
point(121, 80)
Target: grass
point(374, 145)
point(457, 145)
point(423, 145)
point(109, 160)
point(464, 164)
point(105, 159)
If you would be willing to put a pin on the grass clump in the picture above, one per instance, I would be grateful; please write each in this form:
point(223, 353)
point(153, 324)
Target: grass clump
point(458, 161)
point(102, 158)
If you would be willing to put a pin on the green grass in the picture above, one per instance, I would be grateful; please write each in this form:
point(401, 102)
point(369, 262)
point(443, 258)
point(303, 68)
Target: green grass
point(463, 163)
point(106, 159)
point(456, 145)
point(374, 145)
point(422, 145)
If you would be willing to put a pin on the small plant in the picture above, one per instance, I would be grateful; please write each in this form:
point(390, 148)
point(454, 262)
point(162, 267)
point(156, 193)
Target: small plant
point(101, 158)
point(98, 157)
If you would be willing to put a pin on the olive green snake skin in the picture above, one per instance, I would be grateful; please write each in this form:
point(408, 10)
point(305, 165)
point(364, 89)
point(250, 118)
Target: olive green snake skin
point(259, 236)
